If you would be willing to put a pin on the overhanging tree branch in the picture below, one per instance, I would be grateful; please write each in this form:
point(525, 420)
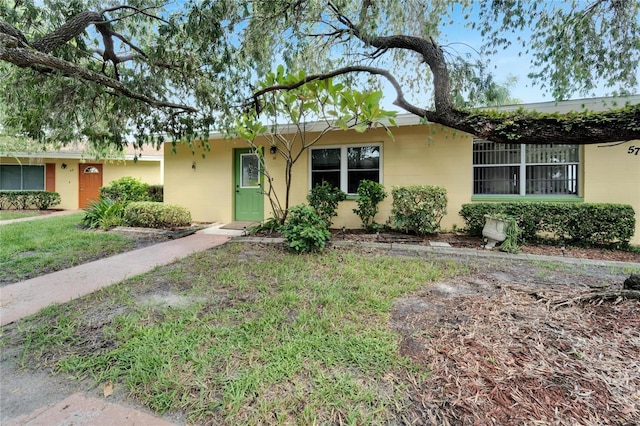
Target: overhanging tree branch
point(27, 58)
point(515, 127)
point(17, 50)
point(504, 127)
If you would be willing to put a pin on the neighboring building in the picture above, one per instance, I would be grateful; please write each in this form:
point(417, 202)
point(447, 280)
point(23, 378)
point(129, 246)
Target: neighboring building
point(219, 187)
point(76, 177)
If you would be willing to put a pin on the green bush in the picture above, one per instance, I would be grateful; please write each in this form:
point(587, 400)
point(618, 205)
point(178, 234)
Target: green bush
point(370, 194)
point(28, 200)
point(418, 208)
point(575, 223)
point(149, 214)
point(325, 199)
point(125, 190)
point(305, 231)
point(156, 193)
point(103, 213)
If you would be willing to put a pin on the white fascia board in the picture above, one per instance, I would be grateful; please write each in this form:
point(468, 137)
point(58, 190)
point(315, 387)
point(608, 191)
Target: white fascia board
point(74, 155)
point(574, 105)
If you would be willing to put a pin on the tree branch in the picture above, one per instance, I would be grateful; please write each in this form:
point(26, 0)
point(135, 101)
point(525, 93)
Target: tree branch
point(430, 52)
point(505, 127)
point(137, 11)
point(70, 29)
point(400, 100)
point(12, 33)
point(27, 58)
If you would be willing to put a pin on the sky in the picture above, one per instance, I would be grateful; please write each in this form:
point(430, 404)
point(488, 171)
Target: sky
point(505, 64)
point(511, 61)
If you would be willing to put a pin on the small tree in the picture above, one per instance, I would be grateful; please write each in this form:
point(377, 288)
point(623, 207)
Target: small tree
point(337, 108)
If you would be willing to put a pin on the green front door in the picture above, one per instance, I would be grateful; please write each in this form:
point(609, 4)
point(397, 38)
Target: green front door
point(249, 199)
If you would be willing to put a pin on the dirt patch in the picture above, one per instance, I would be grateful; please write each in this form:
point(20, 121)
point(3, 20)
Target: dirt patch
point(464, 241)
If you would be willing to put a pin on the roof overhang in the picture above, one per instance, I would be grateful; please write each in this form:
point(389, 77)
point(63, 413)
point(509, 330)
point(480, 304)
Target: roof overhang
point(406, 119)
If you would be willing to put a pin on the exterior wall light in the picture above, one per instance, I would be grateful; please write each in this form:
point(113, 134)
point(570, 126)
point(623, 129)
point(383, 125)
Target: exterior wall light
point(63, 165)
point(193, 166)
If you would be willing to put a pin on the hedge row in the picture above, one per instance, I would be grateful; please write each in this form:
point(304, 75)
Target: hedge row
point(581, 223)
point(150, 214)
point(28, 200)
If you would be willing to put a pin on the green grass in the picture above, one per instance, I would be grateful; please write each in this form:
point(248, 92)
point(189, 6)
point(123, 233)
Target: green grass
point(4, 215)
point(269, 337)
point(626, 270)
point(33, 248)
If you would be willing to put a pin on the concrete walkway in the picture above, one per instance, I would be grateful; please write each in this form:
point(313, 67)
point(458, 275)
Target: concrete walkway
point(83, 410)
point(40, 216)
point(28, 297)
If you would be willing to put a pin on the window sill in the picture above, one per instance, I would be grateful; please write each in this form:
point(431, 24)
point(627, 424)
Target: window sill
point(546, 198)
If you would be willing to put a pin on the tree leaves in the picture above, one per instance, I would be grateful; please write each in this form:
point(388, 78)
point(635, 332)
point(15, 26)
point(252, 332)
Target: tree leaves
point(180, 70)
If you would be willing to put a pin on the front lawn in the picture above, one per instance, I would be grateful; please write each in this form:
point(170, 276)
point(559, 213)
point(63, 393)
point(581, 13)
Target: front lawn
point(250, 334)
point(36, 247)
point(247, 337)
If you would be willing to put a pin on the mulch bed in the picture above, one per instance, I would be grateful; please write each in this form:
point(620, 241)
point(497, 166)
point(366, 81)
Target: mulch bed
point(463, 240)
point(517, 356)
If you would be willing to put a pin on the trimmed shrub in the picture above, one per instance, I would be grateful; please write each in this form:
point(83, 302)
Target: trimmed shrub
point(103, 213)
point(305, 231)
point(325, 199)
point(418, 208)
point(576, 223)
point(149, 214)
point(156, 193)
point(125, 190)
point(28, 200)
point(370, 194)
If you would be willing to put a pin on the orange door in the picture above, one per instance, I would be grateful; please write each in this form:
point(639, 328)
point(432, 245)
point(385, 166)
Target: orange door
point(90, 183)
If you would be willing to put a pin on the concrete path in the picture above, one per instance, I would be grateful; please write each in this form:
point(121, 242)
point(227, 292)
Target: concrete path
point(28, 297)
point(40, 216)
point(82, 410)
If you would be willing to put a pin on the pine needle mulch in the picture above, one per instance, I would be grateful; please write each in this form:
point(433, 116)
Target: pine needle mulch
point(521, 357)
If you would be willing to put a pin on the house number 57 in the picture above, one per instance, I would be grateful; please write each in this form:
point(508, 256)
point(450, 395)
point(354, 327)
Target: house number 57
point(633, 150)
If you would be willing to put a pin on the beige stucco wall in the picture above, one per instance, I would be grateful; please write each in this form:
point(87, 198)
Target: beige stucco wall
point(146, 171)
point(67, 179)
point(416, 156)
point(612, 175)
point(205, 190)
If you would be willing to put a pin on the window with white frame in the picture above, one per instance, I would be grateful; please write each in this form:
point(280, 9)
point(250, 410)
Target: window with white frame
point(15, 177)
point(519, 169)
point(344, 167)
